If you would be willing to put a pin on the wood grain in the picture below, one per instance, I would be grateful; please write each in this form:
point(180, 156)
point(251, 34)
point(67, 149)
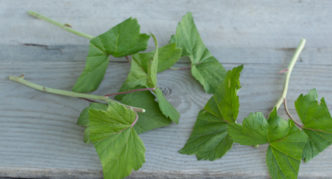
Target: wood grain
point(38, 134)
point(38, 130)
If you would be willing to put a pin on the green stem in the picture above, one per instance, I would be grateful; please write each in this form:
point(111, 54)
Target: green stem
point(290, 116)
point(21, 80)
point(289, 72)
point(63, 26)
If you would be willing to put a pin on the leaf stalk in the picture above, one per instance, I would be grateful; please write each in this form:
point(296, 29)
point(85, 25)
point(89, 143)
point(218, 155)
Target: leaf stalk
point(290, 116)
point(289, 72)
point(63, 26)
point(21, 80)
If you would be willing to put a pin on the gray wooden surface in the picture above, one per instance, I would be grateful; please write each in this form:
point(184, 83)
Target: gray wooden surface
point(38, 134)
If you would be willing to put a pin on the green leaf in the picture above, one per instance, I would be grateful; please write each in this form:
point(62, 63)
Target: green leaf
point(292, 144)
point(143, 74)
point(224, 103)
point(168, 56)
point(312, 113)
point(209, 73)
point(317, 142)
point(153, 67)
point(165, 107)
point(119, 148)
point(286, 146)
point(280, 165)
point(286, 142)
point(278, 127)
point(121, 40)
point(83, 119)
point(253, 130)
point(151, 119)
point(226, 95)
point(138, 75)
point(317, 123)
point(204, 67)
point(285, 136)
point(209, 139)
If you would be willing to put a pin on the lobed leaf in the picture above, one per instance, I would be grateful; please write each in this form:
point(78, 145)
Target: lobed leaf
point(204, 67)
point(286, 146)
point(121, 40)
point(168, 55)
point(286, 142)
point(317, 123)
point(143, 74)
point(209, 139)
point(280, 165)
point(226, 97)
point(253, 130)
point(83, 119)
point(119, 148)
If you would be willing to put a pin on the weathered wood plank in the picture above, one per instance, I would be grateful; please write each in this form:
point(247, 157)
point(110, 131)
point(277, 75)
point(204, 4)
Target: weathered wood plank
point(38, 130)
point(38, 134)
point(233, 55)
point(224, 23)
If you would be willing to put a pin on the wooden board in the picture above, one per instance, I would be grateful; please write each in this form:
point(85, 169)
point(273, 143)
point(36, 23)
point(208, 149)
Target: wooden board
point(38, 134)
